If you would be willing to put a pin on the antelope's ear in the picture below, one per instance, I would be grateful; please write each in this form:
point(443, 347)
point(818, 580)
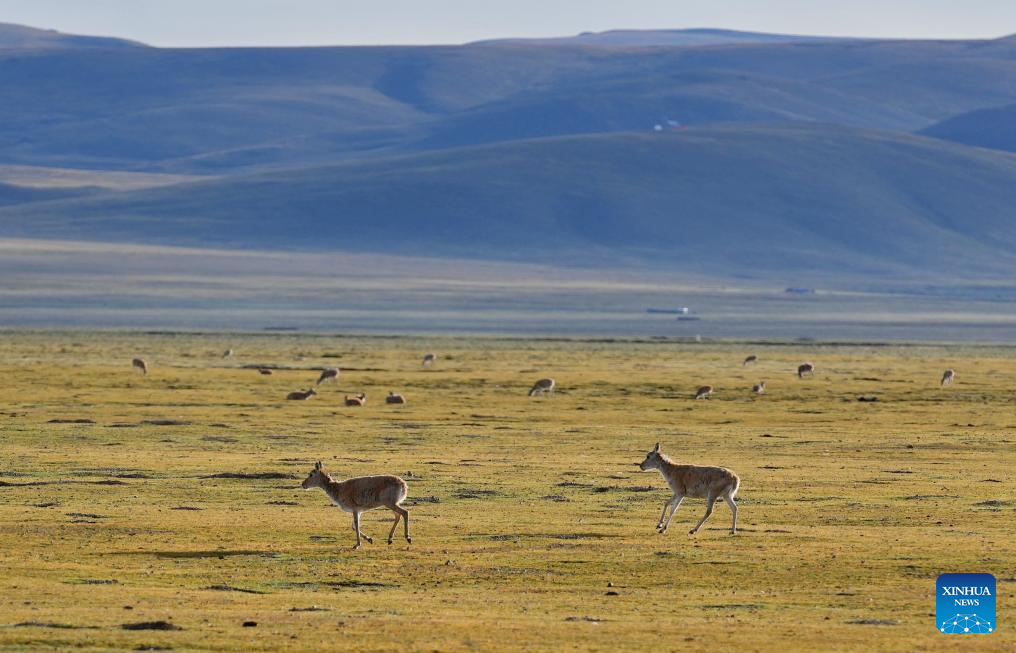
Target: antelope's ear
point(656, 449)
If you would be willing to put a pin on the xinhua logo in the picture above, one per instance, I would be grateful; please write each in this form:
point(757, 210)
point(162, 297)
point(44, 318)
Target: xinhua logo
point(965, 603)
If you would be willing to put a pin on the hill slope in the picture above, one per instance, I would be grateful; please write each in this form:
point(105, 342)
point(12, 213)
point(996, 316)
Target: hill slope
point(196, 111)
point(662, 37)
point(993, 128)
point(736, 200)
point(22, 37)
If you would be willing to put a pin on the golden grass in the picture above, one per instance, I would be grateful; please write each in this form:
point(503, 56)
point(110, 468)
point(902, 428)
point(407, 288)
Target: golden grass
point(523, 510)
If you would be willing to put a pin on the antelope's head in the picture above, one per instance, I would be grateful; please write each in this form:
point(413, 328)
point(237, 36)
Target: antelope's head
point(652, 460)
point(316, 478)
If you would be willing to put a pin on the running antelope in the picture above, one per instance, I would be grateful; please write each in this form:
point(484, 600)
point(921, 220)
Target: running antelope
point(393, 398)
point(707, 483)
point(542, 386)
point(704, 392)
point(750, 360)
point(947, 378)
point(428, 359)
point(358, 495)
point(328, 374)
point(140, 365)
point(300, 395)
point(759, 388)
point(356, 400)
point(805, 368)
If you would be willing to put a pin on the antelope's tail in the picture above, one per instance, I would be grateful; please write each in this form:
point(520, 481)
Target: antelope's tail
point(737, 486)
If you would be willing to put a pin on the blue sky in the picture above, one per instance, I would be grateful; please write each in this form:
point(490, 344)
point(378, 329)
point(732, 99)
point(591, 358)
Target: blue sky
point(339, 22)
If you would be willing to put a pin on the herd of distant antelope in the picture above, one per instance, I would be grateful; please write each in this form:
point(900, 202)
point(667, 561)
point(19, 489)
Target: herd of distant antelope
point(360, 494)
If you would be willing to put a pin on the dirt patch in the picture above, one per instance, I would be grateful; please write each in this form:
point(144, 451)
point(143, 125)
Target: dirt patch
point(151, 625)
point(230, 588)
point(255, 476)
point(50, 624)
point(476, 493)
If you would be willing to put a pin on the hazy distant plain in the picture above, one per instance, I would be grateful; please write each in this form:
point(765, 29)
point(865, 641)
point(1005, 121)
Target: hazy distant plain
point(70, 284)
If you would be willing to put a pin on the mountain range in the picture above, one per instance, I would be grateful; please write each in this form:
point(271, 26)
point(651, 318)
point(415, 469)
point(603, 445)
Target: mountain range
point(739, 155)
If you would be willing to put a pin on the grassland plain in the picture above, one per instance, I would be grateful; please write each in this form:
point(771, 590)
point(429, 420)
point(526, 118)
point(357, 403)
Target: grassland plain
point(532, 527)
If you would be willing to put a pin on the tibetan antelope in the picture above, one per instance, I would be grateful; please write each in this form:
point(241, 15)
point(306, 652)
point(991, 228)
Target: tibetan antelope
point(707, 483)
point(428, 359)
point(759, 388)
point(947, 378)
point(228, 353)
point(749, 360)
point(703, 392)
point(299, 395)
point(542, 386)
point(356, 400)
point(140, 365)
point(805, 368)
point(393, 398)
point(328, 374)
point(358, 495)
point(264, 371)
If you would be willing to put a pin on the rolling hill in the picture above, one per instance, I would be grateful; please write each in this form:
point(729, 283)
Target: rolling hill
point(22, 37)
point(777, 155)
point(663, 37)
point(746, 201)
point(993, 128)
point(217, 110)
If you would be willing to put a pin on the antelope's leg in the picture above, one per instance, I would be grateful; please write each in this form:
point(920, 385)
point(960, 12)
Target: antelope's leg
point(709, 511)
point(391, 533)
point(667, 524)
point(733, 508)
point(663, 517)
point(405, 521)
point(356, 529)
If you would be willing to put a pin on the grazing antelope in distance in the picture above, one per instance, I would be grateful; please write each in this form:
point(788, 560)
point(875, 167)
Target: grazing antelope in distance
point(428, 359)
point(703, 392)
point(749, 360)
point(542, 386)
point(140, 365)
point(265, 371)
point(393, 398)
point(356, 400)
point(759, 388)
point(358, 495)
point(947, 378)
point(707, 483)
point(328, 374)
point(805, 368)
point(299, 395)
point(228, 353)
